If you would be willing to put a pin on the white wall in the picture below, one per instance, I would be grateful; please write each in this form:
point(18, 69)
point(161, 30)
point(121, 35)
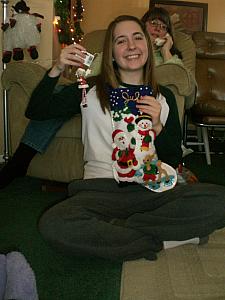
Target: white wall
point(98, 13)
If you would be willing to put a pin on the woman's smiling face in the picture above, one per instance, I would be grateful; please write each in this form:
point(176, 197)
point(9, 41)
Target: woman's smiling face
point(130, 49)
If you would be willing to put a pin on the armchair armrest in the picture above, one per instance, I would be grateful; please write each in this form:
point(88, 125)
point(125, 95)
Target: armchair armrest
point(26, 75)
point(170, 74)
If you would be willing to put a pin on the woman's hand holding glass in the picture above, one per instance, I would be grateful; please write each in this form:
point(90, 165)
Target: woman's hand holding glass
point(72, 55)
point(150, 106)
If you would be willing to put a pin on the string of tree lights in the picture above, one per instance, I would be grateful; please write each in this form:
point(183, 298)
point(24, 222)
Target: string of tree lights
point(67, 21)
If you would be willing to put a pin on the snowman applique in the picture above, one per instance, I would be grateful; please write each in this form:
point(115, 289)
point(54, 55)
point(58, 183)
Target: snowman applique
point(145, 134)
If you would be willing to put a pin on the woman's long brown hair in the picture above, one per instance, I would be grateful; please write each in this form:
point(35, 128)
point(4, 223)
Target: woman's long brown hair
point(109, 75)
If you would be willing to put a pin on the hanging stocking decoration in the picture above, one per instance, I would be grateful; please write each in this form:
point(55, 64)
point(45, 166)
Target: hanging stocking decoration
point(81, 78)
point(134, 153)
point(82, 74)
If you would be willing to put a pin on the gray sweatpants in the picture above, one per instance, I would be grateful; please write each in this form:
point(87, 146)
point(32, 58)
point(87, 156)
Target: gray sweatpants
point(102, 219)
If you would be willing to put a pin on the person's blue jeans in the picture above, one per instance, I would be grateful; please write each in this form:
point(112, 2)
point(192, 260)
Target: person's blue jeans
point(39, 134)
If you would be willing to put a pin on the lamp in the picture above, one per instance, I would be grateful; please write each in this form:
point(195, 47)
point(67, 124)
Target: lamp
point(5, 95)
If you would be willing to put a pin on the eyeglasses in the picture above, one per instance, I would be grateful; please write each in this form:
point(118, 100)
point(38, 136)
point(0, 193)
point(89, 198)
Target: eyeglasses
point(155, 24)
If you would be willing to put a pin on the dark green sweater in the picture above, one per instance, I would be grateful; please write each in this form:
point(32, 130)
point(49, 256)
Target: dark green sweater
point(49, 101)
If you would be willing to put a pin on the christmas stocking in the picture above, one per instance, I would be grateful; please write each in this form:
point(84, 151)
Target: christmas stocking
point(134, 155)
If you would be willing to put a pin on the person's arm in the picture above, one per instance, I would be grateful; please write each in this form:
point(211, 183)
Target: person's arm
point(166, 47)
point(50, 101)
point(168, 142)
point(174, 59)
point(169, 53)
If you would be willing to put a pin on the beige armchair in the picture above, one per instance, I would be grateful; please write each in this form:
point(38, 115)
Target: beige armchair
point(63, 160)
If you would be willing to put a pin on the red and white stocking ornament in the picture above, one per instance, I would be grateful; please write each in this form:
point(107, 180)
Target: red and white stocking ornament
point(81, 78)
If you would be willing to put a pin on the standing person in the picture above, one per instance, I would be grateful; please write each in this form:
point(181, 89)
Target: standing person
point(101, 217)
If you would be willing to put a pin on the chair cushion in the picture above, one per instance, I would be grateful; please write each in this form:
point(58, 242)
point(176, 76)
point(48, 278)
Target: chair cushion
point(210, 107)
point(71, 128)
point(209, 120)
point(211, 112)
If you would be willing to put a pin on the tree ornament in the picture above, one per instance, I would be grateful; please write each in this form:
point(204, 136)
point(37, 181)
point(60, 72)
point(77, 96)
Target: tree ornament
point(81, 79)
point(82, 74)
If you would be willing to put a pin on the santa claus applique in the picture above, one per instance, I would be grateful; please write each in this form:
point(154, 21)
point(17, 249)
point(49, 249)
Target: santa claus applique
point(123, 155)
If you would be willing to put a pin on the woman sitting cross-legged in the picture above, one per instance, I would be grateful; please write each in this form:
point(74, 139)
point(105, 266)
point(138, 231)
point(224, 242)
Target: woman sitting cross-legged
point(128, 204)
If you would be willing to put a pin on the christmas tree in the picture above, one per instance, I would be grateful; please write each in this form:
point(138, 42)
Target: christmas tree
point(68, 17)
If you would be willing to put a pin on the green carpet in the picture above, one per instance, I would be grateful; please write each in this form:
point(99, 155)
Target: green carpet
point(58, 277)
point(215, 173)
